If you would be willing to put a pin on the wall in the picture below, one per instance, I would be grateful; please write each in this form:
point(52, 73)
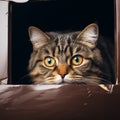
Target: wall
point(3, 39)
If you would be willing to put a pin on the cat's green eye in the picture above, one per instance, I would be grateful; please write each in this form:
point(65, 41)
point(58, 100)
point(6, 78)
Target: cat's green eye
point(76, 60)
point(49, 61)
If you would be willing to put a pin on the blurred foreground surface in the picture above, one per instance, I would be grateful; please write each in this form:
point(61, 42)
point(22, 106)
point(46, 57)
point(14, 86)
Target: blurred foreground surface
point(56, 102)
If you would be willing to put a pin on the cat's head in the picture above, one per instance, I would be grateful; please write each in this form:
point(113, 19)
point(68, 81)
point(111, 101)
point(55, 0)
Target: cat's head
point(65, 58)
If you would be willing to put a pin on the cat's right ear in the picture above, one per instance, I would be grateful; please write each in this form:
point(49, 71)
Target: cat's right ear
point(37, 37)
point(89, 35)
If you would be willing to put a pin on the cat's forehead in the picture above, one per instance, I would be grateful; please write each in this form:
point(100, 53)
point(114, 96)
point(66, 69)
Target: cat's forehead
point(63, 37)
point(63, 40)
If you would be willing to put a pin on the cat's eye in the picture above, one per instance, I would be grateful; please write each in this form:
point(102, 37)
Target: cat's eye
point(49, 61)
point(77, 60)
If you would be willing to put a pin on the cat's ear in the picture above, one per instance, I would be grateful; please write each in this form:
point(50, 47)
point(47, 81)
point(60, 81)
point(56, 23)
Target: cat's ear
point(37, 37)
point(89, 35)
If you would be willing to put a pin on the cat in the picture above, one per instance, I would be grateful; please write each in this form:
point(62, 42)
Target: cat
point(71, 57)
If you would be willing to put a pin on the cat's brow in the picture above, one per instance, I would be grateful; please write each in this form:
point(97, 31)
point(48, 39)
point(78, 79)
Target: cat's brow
point(63, 42)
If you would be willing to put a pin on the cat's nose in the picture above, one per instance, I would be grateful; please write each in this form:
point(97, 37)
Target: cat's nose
point(62, 75)
point(62, 70)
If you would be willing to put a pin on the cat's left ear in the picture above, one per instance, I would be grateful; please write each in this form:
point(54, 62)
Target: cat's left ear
point(89, 35)
point(37, 37)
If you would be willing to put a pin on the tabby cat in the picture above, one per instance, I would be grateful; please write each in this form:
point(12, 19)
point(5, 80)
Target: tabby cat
point(72, 57)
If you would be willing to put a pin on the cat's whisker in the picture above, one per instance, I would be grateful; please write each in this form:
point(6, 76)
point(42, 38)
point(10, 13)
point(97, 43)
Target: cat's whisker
point(90, 80)
point(105, 74)
point(83, 81)
point(104, 81)
point(99, 78)
point(23, 78)
point(50, 78)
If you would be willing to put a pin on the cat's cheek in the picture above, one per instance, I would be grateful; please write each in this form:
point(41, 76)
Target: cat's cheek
point(68, 79)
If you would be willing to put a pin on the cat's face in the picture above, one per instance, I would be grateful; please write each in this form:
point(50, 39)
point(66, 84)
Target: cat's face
point(65, 58)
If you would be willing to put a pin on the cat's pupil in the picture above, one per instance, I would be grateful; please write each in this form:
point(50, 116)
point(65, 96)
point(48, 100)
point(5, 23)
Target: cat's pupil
point(49, 61)
point(76, 59)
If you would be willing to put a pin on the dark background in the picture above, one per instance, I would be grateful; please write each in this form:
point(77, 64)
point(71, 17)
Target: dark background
point(53, 15)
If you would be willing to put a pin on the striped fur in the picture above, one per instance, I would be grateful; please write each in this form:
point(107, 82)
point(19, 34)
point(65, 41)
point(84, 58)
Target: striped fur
point(63, 47)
